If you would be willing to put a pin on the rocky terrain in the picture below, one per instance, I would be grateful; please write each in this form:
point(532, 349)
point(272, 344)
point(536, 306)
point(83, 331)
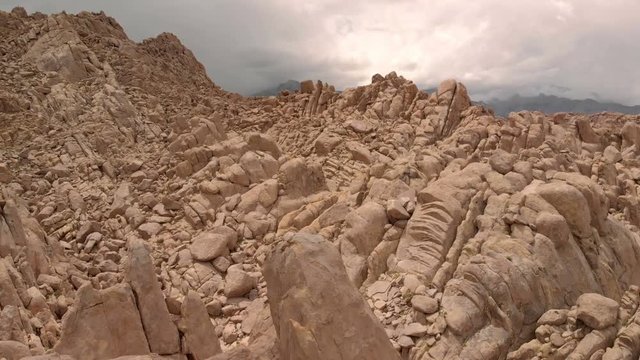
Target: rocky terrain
point(148, 214)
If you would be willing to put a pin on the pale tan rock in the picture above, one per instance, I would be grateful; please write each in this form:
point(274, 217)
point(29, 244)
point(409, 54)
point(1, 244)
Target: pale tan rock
point(414, 330)
point(597, 311)
point(262, 142)
point(50, 357)
point(160, 331)
point(612, 155)
point(424, 304)
point(432, 225)
point(502, 161)
point(200, 334)
point(300, 179)
point(586, 132)
point(570, 203)
point(326, 142)
point(8, 292)
point(208, 246)
point(553, 317)
point(306, 87)
point(12, 327)
point(100, 140)
point(592, 342)
point(237, 282)
point(149, 229)
point(364, 227)
point(307, 277)
point(359, 152)
point(396, 211)
point(13, 350)
point(108, 323)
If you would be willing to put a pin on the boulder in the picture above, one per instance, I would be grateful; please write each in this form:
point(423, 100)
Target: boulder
point(597, 311)
point(297, 178)
point(208, 246)
point(553, 317)
point(316, 310)
point(364, 227)
point(424, 304)
point(611, 154)
point(102, 324)
point(570, 203)
point(502, 161)
point(149, 229)
point(237, 282)
point(200, 333)
point(307, 87)
point(359, 152)
point(13, 350)
point(161, 332)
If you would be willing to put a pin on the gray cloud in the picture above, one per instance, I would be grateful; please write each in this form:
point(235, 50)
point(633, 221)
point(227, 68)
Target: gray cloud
point(574, 48)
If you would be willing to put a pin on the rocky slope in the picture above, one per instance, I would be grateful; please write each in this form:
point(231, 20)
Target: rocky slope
point(148, 214)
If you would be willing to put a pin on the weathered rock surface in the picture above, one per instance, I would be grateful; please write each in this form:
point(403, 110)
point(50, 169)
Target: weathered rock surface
point(596, 311)
point(108, 323)
point(160, 331)
point(201, 339)
point(307, 284)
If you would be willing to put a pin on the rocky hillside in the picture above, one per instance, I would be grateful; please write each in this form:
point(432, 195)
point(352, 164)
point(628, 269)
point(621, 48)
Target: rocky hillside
point(148, 214)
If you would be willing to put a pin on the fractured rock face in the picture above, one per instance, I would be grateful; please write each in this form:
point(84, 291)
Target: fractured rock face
point(200, 334)
point(307, 284)
point(160, 331)
point(108, 323)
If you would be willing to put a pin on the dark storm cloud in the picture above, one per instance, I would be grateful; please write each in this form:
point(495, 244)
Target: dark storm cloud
point(574, 48)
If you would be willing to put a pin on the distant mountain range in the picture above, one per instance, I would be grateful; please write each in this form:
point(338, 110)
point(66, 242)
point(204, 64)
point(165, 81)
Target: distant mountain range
point(290, 85)
point(542, 102)
point(553, 104)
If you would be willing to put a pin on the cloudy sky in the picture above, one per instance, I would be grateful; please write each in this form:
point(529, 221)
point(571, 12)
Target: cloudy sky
point(573, 48)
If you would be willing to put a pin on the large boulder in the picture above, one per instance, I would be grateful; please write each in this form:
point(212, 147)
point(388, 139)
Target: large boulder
point(61, 51)
point(597, 311)
point(502, 161)
point(161, 332)
point(208, 246)
point(13, 350)
point(429, 233)
point(200, 333)
point(316, 310)
point(102, 324)
point(570, 203)
point(365, 226)
point(238, 282)
point(301, 179)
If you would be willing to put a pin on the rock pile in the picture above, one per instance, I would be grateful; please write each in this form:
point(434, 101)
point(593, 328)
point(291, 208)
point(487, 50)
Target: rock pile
point(145, 213)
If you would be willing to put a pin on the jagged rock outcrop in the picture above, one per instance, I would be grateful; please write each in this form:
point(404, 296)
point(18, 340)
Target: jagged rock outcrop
point(160, 331)
point(307, 283)
point(200, 335)
point(108, 323)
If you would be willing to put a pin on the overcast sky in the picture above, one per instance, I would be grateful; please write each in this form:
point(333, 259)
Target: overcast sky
point(573, 48)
